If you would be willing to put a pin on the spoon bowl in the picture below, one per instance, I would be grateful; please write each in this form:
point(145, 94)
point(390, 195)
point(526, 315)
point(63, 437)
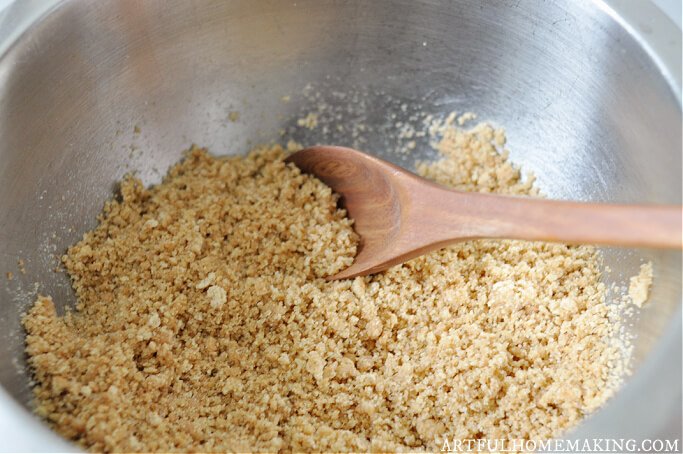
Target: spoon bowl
point(399, 215)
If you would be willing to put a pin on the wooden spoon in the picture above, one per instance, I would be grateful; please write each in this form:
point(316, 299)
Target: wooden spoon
point(400, 216)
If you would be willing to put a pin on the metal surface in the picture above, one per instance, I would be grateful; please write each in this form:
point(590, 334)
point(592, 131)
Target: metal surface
point(589, 93)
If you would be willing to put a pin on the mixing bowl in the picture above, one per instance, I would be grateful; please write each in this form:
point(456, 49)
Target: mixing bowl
point(589, 92)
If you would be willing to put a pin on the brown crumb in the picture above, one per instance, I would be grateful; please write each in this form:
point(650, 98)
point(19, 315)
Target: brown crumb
point(639, 285)
point(9, 275)
point(136, 129)
point(20, 263)
point(310, 121)
point(204, 322)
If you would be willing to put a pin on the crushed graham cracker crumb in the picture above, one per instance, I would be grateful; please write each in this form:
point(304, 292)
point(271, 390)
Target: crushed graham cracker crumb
point(310, 121)
point(204, 322)
point(639, 285)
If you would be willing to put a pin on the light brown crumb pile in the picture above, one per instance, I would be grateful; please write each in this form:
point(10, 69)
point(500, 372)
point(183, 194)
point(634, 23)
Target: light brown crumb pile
point(204, 322)
point(639, 285)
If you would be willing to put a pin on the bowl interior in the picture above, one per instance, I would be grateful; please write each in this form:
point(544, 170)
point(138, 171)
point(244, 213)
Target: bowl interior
point(97, 89)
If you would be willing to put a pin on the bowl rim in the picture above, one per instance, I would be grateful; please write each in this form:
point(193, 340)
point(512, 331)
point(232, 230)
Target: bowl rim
point(661, 40)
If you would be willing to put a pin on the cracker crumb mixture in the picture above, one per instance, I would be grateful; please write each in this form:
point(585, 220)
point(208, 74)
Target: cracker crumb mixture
point(204, 322)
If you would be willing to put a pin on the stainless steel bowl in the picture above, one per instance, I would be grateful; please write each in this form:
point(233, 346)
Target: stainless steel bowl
point(589, 91)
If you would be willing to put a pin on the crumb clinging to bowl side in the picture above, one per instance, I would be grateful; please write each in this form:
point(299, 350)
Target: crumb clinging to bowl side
point(639, 285)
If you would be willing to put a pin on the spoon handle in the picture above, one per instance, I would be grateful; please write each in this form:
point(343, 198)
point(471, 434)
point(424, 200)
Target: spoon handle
point(500, 216)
